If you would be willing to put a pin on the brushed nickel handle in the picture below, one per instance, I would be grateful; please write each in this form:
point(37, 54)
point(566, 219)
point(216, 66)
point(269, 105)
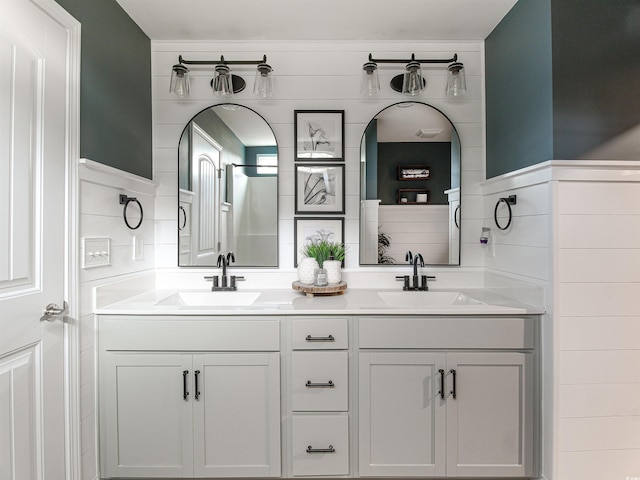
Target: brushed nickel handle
point(310, 384)
point(328, 338)
point(52, 311)
point(329, 449)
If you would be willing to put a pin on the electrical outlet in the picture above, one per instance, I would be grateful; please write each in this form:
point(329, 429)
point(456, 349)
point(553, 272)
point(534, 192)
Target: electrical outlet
point(138, 247)
point(96, 252)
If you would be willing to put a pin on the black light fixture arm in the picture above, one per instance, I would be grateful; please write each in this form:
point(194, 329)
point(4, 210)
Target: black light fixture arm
point(413, 59)
point(222, 61)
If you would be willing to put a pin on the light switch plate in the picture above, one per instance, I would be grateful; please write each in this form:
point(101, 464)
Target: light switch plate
point(138, 247)
point(96, 252)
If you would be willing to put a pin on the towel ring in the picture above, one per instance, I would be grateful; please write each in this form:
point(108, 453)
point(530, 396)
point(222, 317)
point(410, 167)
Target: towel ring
point(124, 200)
point(510, 200)
point(184, 213)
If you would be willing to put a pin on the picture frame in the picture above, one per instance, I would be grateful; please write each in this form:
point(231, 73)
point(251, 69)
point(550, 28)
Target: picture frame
point(319, 135)
point(307, 229)
point(414, 172)
point(319, 188)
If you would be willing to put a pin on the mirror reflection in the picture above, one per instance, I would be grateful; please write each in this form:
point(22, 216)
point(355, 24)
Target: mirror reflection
point(410, 187)
point(228, 189)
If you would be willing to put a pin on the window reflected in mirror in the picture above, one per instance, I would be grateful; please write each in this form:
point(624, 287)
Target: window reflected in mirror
point(228, 189)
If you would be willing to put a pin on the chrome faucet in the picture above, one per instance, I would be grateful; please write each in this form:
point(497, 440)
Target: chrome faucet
point(226, 282)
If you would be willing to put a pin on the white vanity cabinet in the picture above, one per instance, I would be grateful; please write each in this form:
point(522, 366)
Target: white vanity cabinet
point(175, 402)
point(319, 390)
point(428, 408)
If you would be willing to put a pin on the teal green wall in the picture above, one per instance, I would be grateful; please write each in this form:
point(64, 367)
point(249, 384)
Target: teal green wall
point(562, 79)
point(596, 74)
point(519, 106)
point(115, 90)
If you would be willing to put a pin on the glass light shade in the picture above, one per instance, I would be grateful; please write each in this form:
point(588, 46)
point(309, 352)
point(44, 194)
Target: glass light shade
point(263, 86)
point(370, 82)
point(222, 84)
point(179, 80)
point(412, 82)
point(456, 81)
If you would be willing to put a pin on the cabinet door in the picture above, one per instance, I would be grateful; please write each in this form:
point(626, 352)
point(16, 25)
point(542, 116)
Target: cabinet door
point(402, 416)
point(489, 422)
point(145, 417)
point(237, 415)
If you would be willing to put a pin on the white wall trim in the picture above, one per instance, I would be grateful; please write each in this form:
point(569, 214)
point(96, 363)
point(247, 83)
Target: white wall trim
point(565, 170)
point(94, 172)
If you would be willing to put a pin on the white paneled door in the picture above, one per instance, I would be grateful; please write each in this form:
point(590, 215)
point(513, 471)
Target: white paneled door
point(39, 42)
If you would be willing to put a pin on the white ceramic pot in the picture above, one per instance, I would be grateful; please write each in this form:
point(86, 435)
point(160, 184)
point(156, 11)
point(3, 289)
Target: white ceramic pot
point(306, 269)
point(334, 270)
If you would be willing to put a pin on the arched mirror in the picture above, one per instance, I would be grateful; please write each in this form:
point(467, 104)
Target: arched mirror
point(410, 187)
point(228, 188)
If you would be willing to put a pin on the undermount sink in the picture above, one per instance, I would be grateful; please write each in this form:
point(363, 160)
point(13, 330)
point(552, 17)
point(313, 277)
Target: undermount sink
point(210, 299)
point(411, 299)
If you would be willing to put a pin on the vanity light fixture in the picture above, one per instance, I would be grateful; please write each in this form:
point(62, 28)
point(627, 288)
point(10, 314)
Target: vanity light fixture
point(224, 84)
point(412, 82)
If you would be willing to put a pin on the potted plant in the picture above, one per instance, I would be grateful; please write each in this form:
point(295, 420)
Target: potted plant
point(330, 256)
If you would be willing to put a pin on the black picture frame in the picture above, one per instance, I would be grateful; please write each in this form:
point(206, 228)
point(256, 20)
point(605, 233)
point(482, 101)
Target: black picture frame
point(306, 228)
point(319, 188)
point(319, 135)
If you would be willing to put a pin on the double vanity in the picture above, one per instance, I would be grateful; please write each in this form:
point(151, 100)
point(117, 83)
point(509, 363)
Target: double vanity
point(271, 383)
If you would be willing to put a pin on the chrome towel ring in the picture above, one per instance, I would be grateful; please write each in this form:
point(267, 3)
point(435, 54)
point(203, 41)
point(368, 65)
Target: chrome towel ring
point(125, 200)
point(510, 200)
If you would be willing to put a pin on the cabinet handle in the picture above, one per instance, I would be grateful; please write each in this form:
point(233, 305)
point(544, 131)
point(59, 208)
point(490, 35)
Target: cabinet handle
point(310, 384)
point(453, 392)
point(197, 394)
point(329, 449)
point(441, 392)
point(328, 338)
point(185, 394)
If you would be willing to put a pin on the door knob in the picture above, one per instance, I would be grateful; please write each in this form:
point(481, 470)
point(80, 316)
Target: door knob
point(52, 311)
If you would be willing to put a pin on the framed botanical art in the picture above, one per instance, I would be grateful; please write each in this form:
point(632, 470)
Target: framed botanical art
point(319, 188)
point(310, 229)
point(319, 135)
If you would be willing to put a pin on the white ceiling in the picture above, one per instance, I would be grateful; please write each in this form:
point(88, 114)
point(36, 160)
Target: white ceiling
point(349, 20)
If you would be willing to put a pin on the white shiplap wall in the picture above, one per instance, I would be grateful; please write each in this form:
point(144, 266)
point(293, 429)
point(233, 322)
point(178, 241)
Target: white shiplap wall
point(101, 216)
point(598, 322)
point(323, 76)
point(576, 231)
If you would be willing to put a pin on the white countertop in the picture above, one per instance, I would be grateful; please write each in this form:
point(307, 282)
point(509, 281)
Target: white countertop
point(354, 301)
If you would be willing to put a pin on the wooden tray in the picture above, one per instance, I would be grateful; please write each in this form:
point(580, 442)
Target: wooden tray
point(311, 290)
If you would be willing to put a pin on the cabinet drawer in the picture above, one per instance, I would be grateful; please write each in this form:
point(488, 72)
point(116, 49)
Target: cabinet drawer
point(320, 445)
point(446, 332)
point(319, 334)
point(319, 381)
point(189, 333)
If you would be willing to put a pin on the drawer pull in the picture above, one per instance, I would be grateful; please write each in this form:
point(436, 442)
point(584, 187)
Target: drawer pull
point(329, 449)
point(310, 384)
point(328, 338)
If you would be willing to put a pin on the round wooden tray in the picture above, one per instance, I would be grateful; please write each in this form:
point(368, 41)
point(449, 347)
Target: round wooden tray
point(311, 290)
